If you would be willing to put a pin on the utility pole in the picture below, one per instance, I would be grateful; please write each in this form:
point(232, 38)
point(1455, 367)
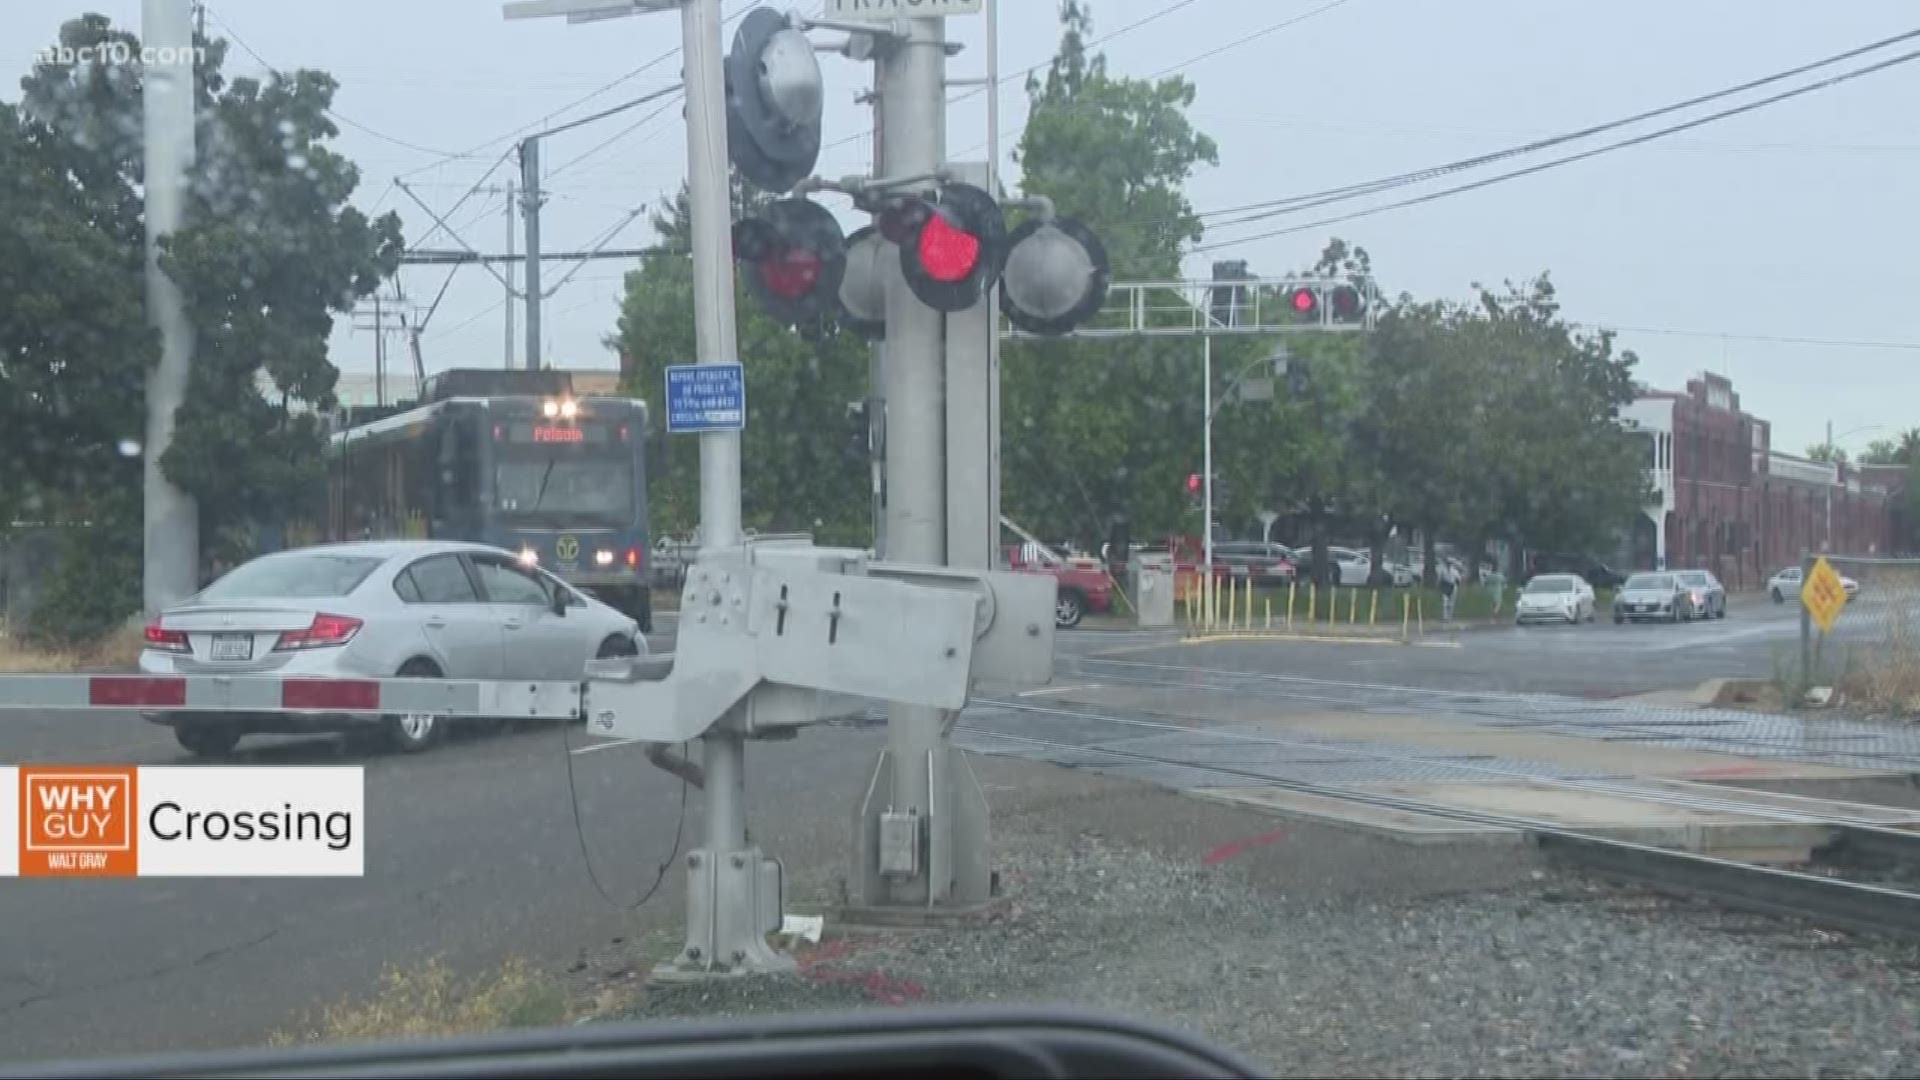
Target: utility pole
point(530, 207)
point(506, 352)
point(1833, 458)
point(379, 353)
point(171, 529)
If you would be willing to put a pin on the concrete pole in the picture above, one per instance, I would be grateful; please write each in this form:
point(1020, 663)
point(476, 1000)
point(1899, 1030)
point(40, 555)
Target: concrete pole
point(530, 206)
point(913, 113)
point(506, 351)
point(171, 571)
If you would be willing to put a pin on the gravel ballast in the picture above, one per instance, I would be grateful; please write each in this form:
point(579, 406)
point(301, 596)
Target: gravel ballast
point(1543, 972)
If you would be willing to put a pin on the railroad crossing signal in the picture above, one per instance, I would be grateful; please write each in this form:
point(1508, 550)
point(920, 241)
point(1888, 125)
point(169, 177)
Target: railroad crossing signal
point(775, 99)
point(794, 257)
point(1823, 594)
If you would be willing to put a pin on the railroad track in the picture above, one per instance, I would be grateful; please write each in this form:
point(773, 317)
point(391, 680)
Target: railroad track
point(1819, 898)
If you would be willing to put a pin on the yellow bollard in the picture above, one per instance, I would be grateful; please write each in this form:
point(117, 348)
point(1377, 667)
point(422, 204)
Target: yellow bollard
point(1406, 613)
point(1420, 613)
point(1353, 607)
point(1292, 587)
point(1269, 603)
point(1313, 602)
point(1246, 610)
point(1373, 609)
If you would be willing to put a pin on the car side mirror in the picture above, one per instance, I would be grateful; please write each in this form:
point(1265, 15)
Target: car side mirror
point(557, 602)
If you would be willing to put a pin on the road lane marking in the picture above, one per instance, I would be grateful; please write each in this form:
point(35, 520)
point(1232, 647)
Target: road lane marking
point(1058, 690)
point(613, 744)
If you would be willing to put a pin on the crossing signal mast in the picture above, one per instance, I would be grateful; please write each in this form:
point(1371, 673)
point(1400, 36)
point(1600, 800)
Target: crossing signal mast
point(925, 278)
point(951, 239)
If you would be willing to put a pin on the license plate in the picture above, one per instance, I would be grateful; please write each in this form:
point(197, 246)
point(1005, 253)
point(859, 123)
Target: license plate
point(233, 646)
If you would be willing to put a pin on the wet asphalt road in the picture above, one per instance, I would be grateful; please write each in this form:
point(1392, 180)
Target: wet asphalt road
point(473, 854)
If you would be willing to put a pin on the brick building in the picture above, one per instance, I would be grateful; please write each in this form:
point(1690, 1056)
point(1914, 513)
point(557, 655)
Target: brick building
point(1724, 499)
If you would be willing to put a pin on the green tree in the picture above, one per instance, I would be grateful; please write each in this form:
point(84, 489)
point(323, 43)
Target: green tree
point(802, 472)
point(1827, 452)
point(1560, 470)
point(269, 252)
point(1098, 427)
point(74, 344)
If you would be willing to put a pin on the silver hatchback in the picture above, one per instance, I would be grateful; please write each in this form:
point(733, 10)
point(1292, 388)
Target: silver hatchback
point(396, 609)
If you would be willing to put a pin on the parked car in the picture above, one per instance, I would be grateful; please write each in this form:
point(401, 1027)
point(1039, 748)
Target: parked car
point(1555, 597)
point(1707, 598)
point(1264, 562)
point(1591, 570)
point(1652, 596)
point(384, 609)
point(1083, 583)
point(1787, 583)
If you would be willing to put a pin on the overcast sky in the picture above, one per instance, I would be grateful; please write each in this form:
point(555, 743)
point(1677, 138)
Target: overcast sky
point(1795, 221)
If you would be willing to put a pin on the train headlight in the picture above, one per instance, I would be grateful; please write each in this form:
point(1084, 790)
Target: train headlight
point(529, 556)
point(569, 410)
point(603, 558)
point(550, 409)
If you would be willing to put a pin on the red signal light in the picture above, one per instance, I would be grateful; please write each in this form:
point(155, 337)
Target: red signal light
point(1303, 301)
point(1193, 483)
point(792, 273)
point(1345, 302)
point(948, 254)
point(633, 558)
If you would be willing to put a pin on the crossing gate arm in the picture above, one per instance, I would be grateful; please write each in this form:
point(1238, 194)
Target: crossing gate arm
point(459, 698)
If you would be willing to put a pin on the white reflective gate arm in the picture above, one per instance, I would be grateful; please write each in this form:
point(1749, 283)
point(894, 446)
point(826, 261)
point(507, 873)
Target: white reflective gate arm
point(276, 694)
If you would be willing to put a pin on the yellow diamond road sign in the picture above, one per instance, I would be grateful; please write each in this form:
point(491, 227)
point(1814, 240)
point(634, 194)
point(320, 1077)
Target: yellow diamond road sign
point(1823, 594)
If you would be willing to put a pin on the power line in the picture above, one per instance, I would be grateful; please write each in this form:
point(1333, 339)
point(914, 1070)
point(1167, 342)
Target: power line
point(614, 138)
point(510, 136)
point(1023, 73)
point(1318, 198)
point(1571, 158)
point(1252, 37)
point(347, 120)
point(1190, 61)
point(1775, 339)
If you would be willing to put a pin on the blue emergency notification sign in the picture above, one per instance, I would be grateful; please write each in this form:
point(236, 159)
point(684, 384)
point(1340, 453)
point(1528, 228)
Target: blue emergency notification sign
point(706, 397)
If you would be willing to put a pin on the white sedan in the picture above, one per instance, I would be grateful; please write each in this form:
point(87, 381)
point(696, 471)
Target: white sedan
point(387, 609)
point(1787, 583)
point(1555, 597)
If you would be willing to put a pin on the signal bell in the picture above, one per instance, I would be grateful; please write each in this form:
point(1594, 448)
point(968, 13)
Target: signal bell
point(794, 257)
point(775, 98)
point(1056, 276)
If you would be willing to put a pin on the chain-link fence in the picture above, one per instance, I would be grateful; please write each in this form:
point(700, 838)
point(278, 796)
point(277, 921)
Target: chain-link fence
point(1872, 653)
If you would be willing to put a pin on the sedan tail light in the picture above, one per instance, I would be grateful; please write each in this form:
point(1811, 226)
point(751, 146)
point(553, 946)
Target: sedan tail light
point(324, 632)
point(174, 641)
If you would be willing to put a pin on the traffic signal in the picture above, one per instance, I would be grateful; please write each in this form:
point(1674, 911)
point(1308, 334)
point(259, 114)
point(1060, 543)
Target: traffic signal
point(1345, 304)
point(1303, 303)
point(1056, 275)
point(1338, 305)
point(1193, 490)
point(774, 101)
point(952, 245)
point(1229, 301)
point(794, 258)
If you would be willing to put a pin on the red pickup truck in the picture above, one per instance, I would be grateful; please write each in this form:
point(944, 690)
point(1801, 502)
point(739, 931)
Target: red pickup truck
point(1083, 582)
